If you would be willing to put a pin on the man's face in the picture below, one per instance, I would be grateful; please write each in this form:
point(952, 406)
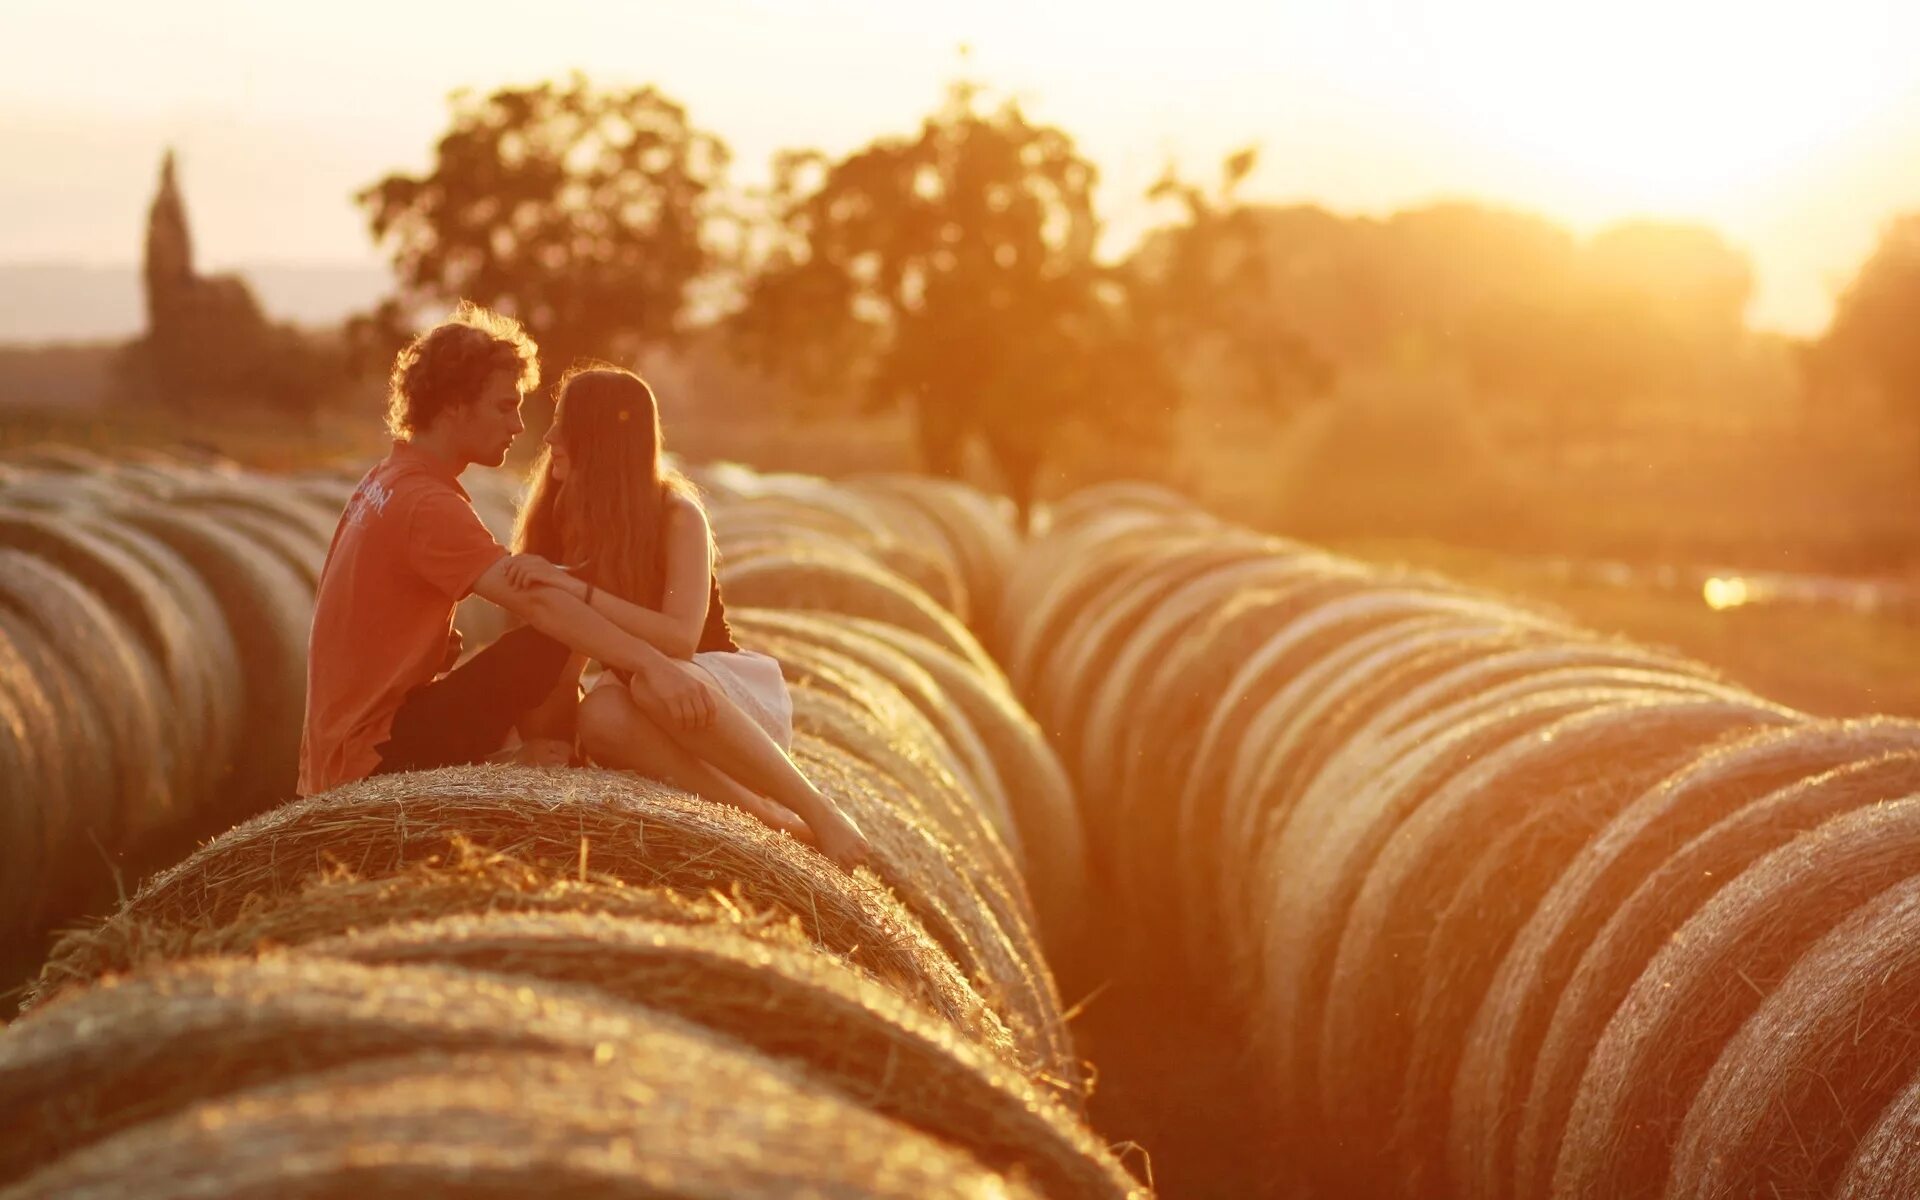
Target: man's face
point(493, 420)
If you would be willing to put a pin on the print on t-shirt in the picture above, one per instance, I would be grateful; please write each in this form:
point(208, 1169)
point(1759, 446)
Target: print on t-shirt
point(371, 495)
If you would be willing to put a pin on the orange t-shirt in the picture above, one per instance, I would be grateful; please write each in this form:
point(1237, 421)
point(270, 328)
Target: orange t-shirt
point(408, 548)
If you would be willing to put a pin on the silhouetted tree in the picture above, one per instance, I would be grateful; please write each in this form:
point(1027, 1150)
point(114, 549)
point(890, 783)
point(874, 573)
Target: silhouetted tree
point(576, 209)
point(1207, 284)
point(1685, 275)
point(1871, 338)
point(953, 271)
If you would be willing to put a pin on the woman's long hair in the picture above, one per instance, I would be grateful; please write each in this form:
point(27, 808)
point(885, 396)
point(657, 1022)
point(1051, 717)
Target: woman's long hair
point(607, 517)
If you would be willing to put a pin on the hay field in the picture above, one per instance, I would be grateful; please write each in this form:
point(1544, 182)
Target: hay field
point(1207, 862)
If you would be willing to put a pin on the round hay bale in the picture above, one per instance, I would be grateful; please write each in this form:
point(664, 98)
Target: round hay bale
point(874, 722)
point(1322, 856)
point(291, 545)
point(1706, 982)
point(38, 801)
point(1312, 717)
point(745, 542)
point(215, 655)
point(60, 492)
point(972, 907)
point(978, 532)
point(113, 675)
point(134, 1048)
point(268, 609)
point(818, 511)
point(1651, 917)
point(1317, 630)
point(1887, 1160)
point(822, 513)
point(557, 820)
point(525, 1123)
point(463, 882)
point(1782, 1111)
point(928, 571)
point(328, 492)
point(480, 622)
point(58, 458)
point(849, 1031)
point(67, 804)
point(1073, 668)
point(1112, 714)
point(719, 481)
point(1413, 961)
point(845, 584)
point(1497, 1067)
point(1174, 708)
point(1098, 500)
point(939, 851)
point(159, 477)
point(1396, 757)
point(1515, 861)
point(141, 596)
point(308, 523)
point(910, 527)
point(1038, 791)
point(1034, 578)
point(969, 759)
point(138, 1058)
point(1044, 610)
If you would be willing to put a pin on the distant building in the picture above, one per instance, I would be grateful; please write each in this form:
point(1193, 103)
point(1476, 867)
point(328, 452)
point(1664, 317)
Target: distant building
point(208, 342)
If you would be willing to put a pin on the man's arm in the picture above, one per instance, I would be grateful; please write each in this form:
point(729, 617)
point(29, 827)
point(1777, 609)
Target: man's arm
point(664, 633)
point(564, 619)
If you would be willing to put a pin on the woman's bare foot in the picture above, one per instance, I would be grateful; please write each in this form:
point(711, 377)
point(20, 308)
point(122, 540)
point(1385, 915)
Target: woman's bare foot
point(778, 818)
point(841, 840)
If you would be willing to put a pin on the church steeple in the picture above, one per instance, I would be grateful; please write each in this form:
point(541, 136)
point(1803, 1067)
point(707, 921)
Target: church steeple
point(169, 261)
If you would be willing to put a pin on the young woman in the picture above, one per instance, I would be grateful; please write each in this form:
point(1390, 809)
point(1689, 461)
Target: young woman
point(638, 551)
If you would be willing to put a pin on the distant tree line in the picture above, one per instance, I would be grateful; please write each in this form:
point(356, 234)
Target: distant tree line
point(955, 269)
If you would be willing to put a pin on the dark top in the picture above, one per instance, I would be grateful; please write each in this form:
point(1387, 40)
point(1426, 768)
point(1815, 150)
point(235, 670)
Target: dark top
point(715, 635)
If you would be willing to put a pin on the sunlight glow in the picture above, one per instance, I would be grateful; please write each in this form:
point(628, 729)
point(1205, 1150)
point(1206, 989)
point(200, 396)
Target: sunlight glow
point(1722, 593)
point(1667, 105)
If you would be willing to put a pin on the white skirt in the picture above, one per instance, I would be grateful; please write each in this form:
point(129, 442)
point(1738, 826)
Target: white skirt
point(751, 680)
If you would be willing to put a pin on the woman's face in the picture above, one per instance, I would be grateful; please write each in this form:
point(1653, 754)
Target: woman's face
point(558, 460)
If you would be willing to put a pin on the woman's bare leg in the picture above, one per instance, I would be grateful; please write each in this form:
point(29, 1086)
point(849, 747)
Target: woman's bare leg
point(615, 733)
point(736, 745)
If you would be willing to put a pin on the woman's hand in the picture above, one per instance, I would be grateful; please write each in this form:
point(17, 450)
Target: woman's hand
point(526, 571)
point(673, 695)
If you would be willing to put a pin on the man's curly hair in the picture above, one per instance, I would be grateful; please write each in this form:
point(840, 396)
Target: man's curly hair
point(448, 364)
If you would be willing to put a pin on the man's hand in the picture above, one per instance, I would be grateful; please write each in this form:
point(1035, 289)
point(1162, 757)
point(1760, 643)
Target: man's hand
point(672, 695)
point(530, 571)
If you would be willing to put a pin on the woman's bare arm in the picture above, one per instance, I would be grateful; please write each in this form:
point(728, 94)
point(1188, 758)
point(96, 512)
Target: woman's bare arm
point(674, 628)
point(563, 618)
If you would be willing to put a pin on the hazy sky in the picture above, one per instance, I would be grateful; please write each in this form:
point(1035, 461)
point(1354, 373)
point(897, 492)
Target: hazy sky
point(1793, 126)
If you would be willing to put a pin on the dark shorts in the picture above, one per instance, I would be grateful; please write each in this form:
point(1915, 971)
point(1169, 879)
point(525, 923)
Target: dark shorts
point(463, 716)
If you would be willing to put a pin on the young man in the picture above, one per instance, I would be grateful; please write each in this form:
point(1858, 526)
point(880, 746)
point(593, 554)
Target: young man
point(409, 548)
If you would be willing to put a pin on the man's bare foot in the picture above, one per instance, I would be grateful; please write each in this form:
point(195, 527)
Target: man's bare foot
point(841, 840)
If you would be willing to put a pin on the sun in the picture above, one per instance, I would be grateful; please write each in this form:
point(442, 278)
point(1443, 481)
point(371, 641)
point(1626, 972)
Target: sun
point(1663, 105)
